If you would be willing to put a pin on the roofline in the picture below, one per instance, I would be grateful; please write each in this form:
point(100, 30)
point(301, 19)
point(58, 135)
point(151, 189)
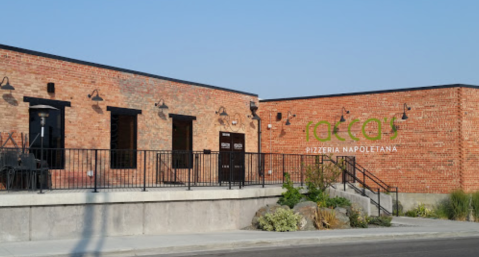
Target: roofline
point(66, 59)
point(371, 92)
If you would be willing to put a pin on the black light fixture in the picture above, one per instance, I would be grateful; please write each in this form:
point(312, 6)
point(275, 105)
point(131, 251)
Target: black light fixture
point(97, 97)
point(163, 106)
point(43, 112)
point(223, 113)
point(287, 120)
point(253, 108)
point(342, 116)
point(404, 116)
point(7, 86)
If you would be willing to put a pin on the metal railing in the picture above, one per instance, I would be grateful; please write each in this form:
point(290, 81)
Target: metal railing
point(369, 183)
point(98, 169)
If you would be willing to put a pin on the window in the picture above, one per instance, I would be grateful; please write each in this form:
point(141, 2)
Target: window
point(123, 142)
point(54, 132)
point(182, 141)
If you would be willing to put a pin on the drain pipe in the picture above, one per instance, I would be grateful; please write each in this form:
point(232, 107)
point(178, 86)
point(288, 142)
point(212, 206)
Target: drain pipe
point(253, 109)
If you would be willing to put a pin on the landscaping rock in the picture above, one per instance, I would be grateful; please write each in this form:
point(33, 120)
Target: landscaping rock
point(307, 210)
point(342, 217)
point(266, 209)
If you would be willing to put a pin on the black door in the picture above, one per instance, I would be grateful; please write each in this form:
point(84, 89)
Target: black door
point(232, 149)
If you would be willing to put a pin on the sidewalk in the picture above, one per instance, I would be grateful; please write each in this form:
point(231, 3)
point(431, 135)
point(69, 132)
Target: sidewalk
point(405, 228)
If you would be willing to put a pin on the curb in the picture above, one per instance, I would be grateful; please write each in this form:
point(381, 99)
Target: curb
point(245, 244)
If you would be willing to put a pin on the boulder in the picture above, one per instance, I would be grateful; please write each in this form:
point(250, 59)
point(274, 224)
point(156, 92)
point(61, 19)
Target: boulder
point(342, 217)
point(266, 209)
point(342, 220)
point(307, 210)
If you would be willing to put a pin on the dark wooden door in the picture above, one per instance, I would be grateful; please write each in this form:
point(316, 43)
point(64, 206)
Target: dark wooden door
point(232, 149)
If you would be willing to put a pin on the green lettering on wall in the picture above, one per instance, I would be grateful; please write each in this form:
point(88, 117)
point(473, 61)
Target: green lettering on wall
point(349, 130)
point(307, 131)
point(329, 131)
point(336, 131)
point(394, 128)
point(379, 129)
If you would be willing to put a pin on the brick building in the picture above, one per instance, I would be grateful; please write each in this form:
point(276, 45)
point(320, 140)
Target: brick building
point(433, 151)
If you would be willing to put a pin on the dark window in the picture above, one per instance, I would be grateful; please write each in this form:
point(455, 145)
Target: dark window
point(182, 143)
point(53, 139)
point(123, 141)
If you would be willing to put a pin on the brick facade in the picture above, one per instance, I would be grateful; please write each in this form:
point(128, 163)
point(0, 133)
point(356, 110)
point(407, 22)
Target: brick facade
point(434, 150)
point(87, 124)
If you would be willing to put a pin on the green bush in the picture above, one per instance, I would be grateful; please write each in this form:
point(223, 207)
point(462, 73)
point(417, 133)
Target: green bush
point(459, 205)
point(411, 213)
point(292, 196)
point(443, 209)
point(337, 202)
point(475, 204)
point(356, 220)
point(384, 221)
point(281, 220)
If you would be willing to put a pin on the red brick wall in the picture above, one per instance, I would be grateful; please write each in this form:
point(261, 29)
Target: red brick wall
point(429, 153)
point(88, 125)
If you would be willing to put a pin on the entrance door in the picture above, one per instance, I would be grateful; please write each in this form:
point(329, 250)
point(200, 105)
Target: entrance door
point(232, 151)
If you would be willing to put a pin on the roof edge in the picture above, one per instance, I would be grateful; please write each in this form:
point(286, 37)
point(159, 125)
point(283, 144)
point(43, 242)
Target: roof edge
point(371, 92)
point(66, 59)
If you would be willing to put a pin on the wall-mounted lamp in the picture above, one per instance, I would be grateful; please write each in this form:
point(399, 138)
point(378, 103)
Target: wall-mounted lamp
point(163, 106)
point(404, 116)
point(97, 97)
point(223, 113)
point(7, 86)
point(253, 108)
point(287, 120)
point(342, 116)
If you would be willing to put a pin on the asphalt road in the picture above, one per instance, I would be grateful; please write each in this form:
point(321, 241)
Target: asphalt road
point(454, 247)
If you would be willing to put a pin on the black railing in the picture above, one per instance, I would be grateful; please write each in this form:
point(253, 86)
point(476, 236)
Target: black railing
point(98, 169)
point(369, 183)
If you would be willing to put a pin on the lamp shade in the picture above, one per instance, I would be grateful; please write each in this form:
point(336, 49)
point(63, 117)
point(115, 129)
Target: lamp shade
point(8, 86)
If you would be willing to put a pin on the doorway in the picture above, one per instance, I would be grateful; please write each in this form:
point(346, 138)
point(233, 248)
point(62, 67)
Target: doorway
point(232, 152)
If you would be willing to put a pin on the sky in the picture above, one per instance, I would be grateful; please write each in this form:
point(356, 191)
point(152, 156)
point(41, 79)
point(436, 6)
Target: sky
point(274, 48)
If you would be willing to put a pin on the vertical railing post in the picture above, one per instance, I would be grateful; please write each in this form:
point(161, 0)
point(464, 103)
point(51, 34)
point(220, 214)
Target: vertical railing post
point(283, 168)
point(231, 169)
point(95, 175)
point(262, 166)
point(364, 183)
point(301, 166)
point(220, 169)
point(397, 202)
point(189, 177)
point(144, 171)
point(379, 202)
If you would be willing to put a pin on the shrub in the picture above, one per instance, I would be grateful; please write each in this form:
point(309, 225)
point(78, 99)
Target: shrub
point(322, 174)
point(398, 206)
point(384, 221)
point(459, 205)
point(292, 196)
point(411, 213)
point(281, 220)
point(356, 220)
point(475, 204)
point(337, 202)
point(443, 209)
point(324, 219)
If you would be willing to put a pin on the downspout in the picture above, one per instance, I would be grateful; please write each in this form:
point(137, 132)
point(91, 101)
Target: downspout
point(253, 109)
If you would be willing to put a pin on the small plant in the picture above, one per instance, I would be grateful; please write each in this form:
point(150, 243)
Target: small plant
point(459, 205)
point(281, 220)
point(323, 174)
point(325, 219)
point(356, 220)
point(475, 204)
point(384, 221)
point(337, 202)
point(411, 213)
point(422, 211)
point(292, 196)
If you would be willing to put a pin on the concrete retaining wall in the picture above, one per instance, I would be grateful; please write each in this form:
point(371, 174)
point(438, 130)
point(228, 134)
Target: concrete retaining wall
point(412, 200)
point(360, 201)
point(80, 215)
